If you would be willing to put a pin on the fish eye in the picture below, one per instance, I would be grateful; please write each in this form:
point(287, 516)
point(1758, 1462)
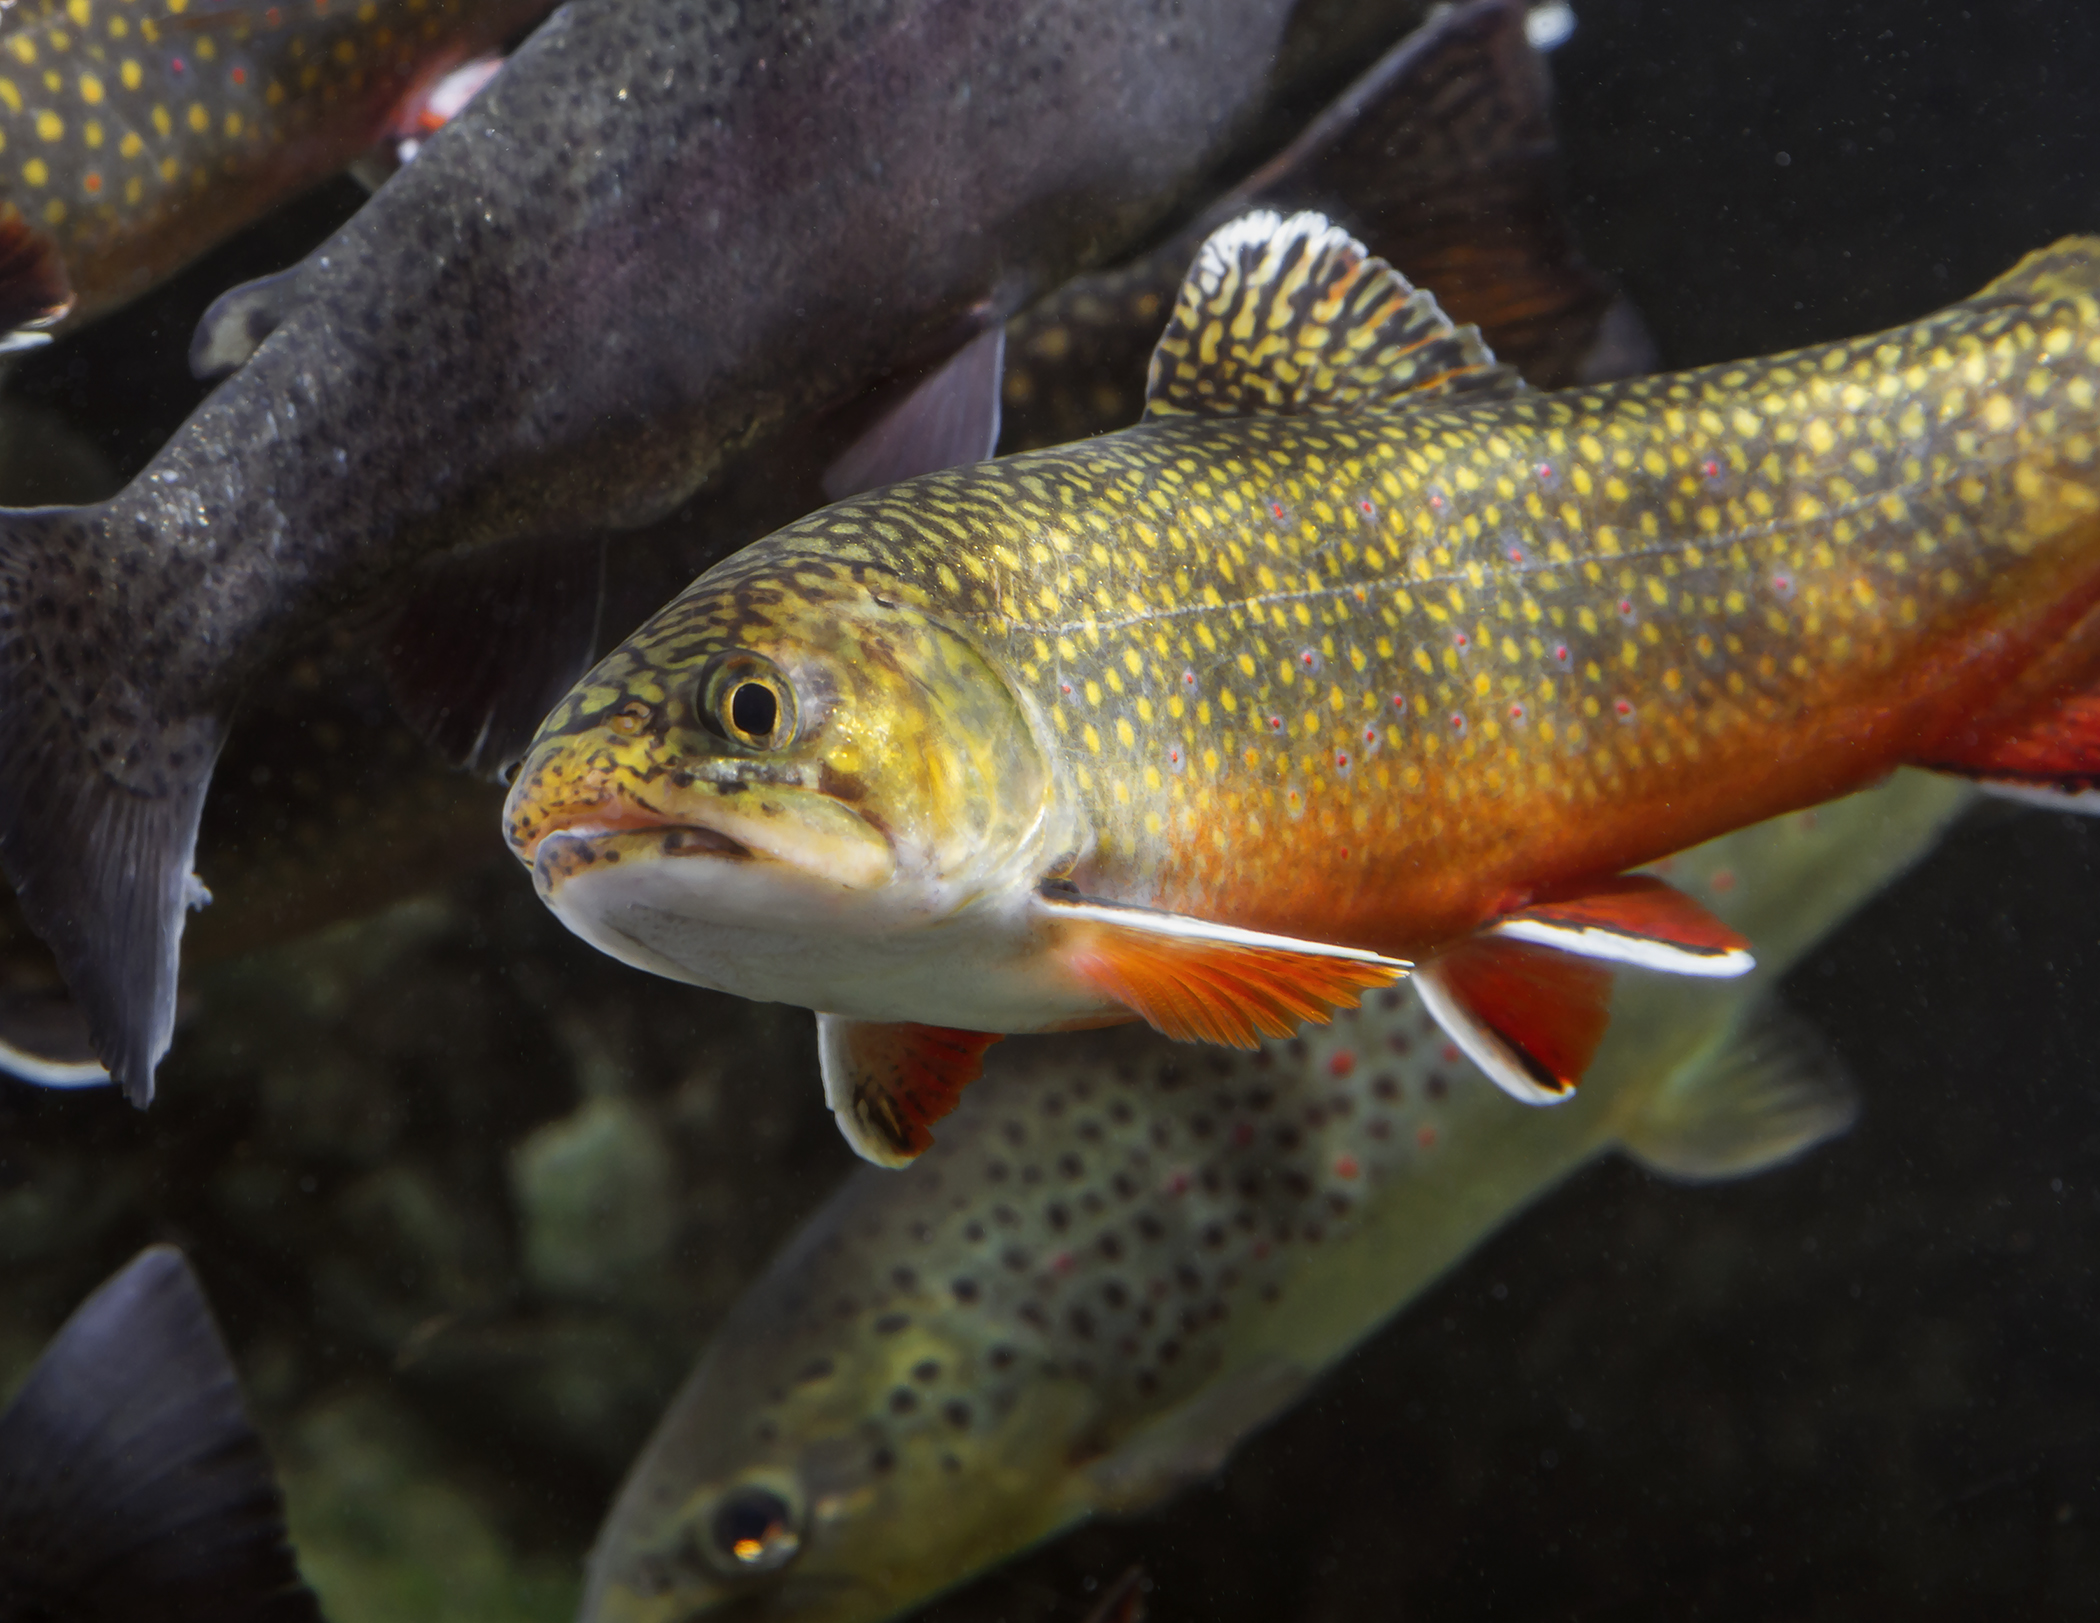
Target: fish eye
point(752, 1531)
point(746, 699)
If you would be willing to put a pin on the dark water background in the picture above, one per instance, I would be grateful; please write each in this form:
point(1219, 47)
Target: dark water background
point(1868, 1385)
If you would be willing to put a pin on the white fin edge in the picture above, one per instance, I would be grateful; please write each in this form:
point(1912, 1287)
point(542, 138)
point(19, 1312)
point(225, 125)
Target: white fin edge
point(24, 1066)
point(2082, 802)
point(1479, 1044)
point(835, 1066)
point(1617, 947)
point(1182, 927)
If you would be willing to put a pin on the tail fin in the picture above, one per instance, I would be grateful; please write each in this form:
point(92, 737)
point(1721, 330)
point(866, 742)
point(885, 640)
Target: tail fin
point(100, 789)
point(131, 1483)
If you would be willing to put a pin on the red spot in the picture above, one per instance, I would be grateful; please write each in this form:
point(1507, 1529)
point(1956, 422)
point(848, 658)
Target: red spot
point(273, 18)
point(1399, 701)
point(1625, 607)
point(1783, 583)
point(175, 65)
point(1307, 658)
point(92, 181)
point(1276, 508)
point(1370, 735)
point(1436, 501)
point(1341, 759)
point(1189, 677)
point(1341, 1062)
point(1458, 724)
point(1460, 638)
point(1450, 1052)
point(1712, 470)
point(1276, 724)
point(1345, 1166)
point(1516, 712)
point(1622, 706)
point(1061, 1263)
point(1545, 470)
point(1367, 507)
point(1516, 555)
point(1177, 1183)
point(1243, 1133)
point(1426, 1137)
point(1723, 881)
point(1064, 687)
point(1560, 652)
point(1174, 756)
point(240, 76)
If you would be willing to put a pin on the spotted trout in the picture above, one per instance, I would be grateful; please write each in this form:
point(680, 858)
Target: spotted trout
point(1354, 655)
point(139, 133)
point(1124, 1255)
point(661, 238)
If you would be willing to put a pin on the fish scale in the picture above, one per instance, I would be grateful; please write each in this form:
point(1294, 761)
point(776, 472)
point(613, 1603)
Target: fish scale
point(1365, 652)
point(1353, 656)
point(134, 134)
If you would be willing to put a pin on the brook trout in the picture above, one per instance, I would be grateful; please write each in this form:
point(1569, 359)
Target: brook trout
point(1124, 1256)
point(664, 235)
point(138, 133)
point(1353, 655)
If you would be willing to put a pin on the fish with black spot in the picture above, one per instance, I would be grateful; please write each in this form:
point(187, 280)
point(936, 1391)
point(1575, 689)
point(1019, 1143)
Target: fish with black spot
point(892, 1408)
point(1355, 657)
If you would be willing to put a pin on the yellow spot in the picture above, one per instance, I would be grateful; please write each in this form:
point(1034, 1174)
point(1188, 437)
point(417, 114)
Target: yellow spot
point(1997, 413)
point(49, 126)
point(130, 74)
point(163, 125)
point(118, 28)
point(10, 95)
point(90, 89)
point(55, 212)
point(91, 132)
point(35, 172)
point(200, 117)
point(1819, 436)
point(170, 167)
point(79, 11)
point(131, 146)
point(24, 50)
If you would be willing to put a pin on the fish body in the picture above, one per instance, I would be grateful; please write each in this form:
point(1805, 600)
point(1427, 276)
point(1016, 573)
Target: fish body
point(665, 234)
point(1123, 1256)
point(1350, 653)
point(142, 134)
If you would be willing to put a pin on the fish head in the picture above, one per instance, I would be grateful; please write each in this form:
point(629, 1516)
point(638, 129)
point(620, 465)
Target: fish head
point(778, 1491)
point(783, 773)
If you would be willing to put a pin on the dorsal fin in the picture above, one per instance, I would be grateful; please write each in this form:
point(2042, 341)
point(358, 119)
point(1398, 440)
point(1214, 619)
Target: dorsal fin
point(1294, 315)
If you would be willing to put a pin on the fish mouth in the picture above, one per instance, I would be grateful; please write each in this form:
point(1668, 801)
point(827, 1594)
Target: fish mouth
point(563, 852)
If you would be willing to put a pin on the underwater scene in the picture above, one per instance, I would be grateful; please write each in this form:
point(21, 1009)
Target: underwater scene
point(1195, 809)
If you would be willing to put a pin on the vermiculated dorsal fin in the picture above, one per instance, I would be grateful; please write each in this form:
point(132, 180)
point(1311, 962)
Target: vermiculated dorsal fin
point(1294, 315)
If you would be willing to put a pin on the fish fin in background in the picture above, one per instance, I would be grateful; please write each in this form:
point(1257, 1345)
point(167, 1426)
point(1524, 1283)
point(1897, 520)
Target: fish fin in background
point(1293, 316)
point(1773, 1091)
point(235, 324)
point(1633, 919)
point(492, 640)
point(1192, 1442)
point(1123, 1601)
point(949, 420)
point(889, 1082)
point(131, 1482)
point(1443, 156)
point(34, 290)
point(1202, 982)
point(1529, 1016)
point(43, 1040)
point(98, 821)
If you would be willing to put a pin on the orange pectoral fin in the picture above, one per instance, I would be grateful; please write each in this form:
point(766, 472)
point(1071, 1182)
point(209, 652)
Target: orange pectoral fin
point(889, 1082)
point(1529, 1016)
point(1633, 919)
point(1202, 982)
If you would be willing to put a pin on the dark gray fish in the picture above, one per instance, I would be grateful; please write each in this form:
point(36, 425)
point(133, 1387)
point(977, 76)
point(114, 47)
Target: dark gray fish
point(132, 1486)
point(660, 236)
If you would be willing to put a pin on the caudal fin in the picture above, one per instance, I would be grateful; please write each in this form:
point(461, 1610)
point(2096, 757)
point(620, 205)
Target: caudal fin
point(131, 1483)
point(100, 787)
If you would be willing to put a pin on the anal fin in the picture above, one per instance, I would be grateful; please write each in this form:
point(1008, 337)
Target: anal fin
point(1202, 982)
point(1529, 1016)
point(491, 641)
point(888, 1082)
point(1633, 919)
point(34, 290)
point(131, 1482)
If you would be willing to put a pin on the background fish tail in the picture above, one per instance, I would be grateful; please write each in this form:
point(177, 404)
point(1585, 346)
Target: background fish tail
point(101, 788)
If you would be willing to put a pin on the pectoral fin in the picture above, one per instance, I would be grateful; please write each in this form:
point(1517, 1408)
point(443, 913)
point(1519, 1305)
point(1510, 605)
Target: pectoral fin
point(1633, 919)
point(950, 420)
point(1529, 1016)
point(34, 290)
point(889, 1082)
point(2052, 758)
point(1203, 982)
